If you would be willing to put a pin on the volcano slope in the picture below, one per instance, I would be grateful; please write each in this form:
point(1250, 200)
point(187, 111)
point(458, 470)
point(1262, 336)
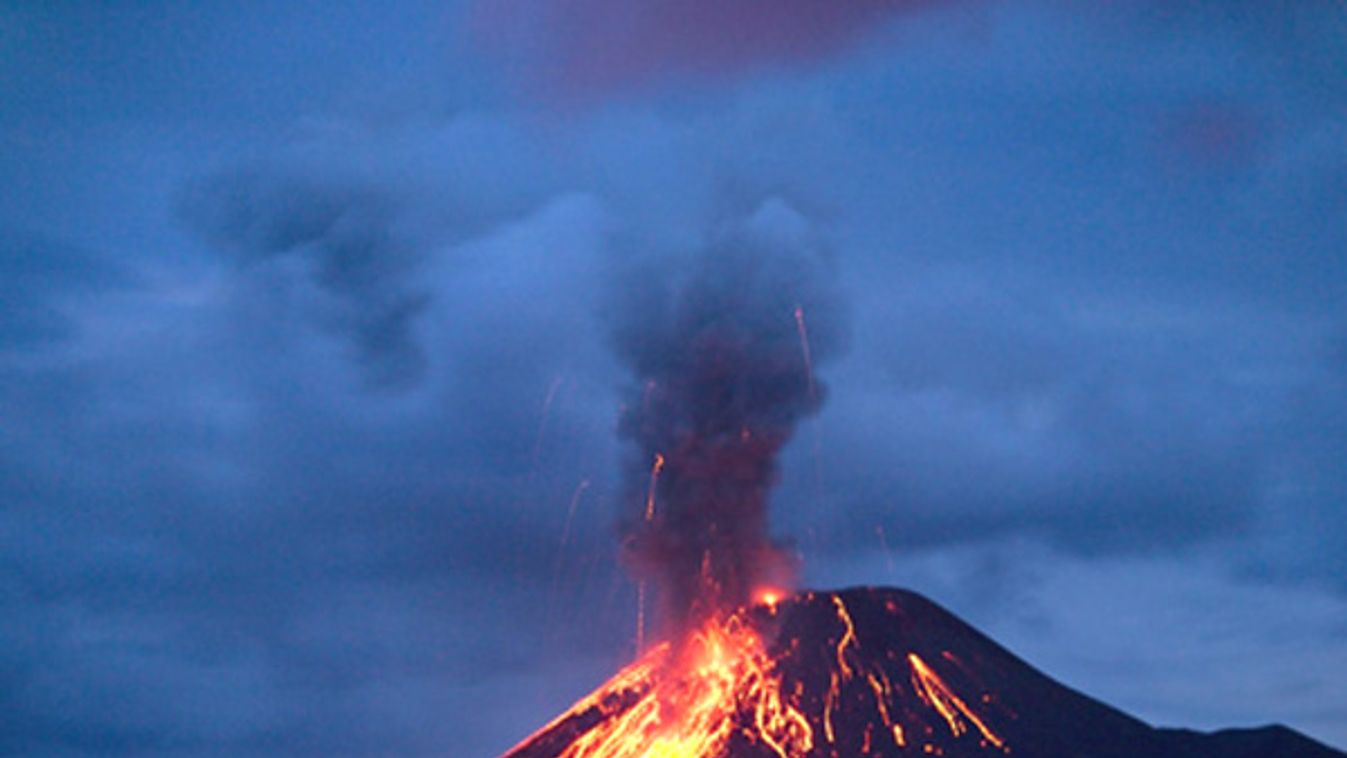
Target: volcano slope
point(862, 672)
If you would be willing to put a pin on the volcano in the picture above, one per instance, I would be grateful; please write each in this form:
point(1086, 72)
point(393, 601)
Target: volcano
point(861, 672)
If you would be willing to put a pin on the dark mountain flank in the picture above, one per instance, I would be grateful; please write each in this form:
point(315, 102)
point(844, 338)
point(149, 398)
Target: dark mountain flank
point(863, 672)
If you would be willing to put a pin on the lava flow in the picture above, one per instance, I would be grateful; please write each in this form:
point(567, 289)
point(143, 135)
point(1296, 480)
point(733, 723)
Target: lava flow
point(788, 678)
point(863, 672)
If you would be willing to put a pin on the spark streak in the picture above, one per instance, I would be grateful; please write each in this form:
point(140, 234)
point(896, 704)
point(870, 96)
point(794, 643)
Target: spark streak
point(542, 419)
point(655, 468)
point(808, 355)
point(570, 513)
point(565, 538)
point(806, 352)
point(650, 493)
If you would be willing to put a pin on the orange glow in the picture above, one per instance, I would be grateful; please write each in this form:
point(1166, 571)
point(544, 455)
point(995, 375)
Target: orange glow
point(768, 596)
point(655, 468)
point(723, 671)
point(936, 693)
point(723, 689)
point(847, 639)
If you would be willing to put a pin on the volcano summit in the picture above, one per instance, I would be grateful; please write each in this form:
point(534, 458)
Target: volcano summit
point(862, 672)
point(721, 361)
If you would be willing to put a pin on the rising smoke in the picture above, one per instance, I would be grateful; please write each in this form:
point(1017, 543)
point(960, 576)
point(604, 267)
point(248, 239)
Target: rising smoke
point(720, 381)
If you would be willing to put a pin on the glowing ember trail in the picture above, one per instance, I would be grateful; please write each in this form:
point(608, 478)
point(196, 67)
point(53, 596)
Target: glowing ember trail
point(935, 692)
point(649, 517)
point(785, 678)
point(654, 480)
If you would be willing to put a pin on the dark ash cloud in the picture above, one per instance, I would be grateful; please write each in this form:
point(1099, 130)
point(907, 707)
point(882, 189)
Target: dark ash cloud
point(720, 378)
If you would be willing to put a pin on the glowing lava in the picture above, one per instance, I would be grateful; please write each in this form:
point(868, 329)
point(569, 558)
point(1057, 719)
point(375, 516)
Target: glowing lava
point(655, 468)
point(768, 597)
point(790, 678)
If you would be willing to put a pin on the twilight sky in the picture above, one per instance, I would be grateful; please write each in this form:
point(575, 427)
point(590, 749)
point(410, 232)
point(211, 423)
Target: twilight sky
point(305, 346)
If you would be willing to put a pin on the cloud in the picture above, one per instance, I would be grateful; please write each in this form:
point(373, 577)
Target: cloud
point(41, 281)
point(214, 547)
point(356, 213)
point(588, 49)
point(349, 245)
point(1094, 428)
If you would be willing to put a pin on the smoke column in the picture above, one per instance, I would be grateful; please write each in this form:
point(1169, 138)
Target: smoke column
point(718, 385)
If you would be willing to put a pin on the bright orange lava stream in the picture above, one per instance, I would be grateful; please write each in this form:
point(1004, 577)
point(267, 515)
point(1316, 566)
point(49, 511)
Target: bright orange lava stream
point(723, 672)
point(723, 684)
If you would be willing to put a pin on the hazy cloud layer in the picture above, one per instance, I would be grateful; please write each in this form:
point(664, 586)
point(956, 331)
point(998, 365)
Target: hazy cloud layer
point(591, 49)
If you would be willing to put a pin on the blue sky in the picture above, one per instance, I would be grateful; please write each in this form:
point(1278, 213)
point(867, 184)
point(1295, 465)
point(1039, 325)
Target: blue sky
point(304, 352)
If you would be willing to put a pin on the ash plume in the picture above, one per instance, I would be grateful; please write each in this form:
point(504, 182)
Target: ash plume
point(720, 379)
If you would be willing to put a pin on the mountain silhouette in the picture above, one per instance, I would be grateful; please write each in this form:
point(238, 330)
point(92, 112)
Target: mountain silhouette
point(863, 672)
